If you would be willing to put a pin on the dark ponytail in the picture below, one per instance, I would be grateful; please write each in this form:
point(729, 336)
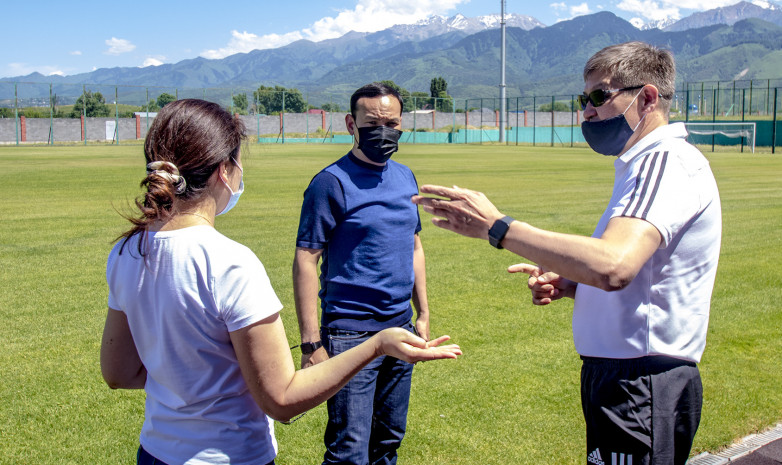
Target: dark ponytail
point(186, 143)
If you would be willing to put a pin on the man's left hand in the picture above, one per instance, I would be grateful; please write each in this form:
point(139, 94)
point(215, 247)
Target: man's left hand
point(464, 211)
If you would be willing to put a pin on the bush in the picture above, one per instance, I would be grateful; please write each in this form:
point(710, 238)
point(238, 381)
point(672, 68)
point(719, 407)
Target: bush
point(451, 128)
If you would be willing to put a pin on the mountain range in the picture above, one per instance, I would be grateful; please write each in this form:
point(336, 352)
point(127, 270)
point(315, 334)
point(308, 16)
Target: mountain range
point(720, 44)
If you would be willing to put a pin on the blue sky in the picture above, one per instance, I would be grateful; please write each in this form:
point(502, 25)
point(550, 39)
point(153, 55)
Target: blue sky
point(59, 37)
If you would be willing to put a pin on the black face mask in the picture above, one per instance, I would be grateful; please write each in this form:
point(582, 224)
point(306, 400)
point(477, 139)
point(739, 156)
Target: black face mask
point(609, 136)
point(378, 143)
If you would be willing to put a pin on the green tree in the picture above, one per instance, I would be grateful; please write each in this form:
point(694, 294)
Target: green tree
point(240, 103)
point(93, 104)
point(150, 107)
point(270, 99)
point(407, 99)
point(6, 112)
point(331, 107)
point(164, 99)
point(558, 106)
point(438, 89)
point(421, 101)
point(438, 86)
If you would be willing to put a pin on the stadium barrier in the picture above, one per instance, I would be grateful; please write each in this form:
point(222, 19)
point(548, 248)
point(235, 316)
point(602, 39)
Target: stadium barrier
point(50, 114)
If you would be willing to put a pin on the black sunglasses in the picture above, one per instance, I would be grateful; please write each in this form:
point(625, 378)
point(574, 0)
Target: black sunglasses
point(600, 96)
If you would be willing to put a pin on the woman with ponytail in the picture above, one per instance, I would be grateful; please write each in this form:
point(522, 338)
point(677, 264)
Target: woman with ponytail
point(193, 319)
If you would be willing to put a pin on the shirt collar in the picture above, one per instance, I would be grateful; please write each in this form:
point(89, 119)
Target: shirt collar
point(366, 165)
point(667, 131)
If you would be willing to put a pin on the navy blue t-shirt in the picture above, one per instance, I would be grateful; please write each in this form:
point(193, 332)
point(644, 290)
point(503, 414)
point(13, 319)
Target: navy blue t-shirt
point(362, 218)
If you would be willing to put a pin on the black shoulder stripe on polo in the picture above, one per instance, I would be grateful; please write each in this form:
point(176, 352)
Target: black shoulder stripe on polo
point(642, 199)
point(634, 197)
point(658, 179)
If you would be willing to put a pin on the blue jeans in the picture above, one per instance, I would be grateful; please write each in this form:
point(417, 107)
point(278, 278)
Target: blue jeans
point(367, 417)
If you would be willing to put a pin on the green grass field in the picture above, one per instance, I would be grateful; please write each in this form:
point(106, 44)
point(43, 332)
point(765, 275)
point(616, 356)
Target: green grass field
point(513, 398)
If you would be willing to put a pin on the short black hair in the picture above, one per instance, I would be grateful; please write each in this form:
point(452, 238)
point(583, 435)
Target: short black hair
point(372, 90)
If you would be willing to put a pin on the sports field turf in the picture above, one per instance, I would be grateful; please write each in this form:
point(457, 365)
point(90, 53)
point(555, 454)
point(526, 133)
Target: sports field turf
point(511, 399)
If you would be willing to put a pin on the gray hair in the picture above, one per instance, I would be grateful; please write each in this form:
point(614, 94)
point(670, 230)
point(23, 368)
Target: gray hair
point(636, 64)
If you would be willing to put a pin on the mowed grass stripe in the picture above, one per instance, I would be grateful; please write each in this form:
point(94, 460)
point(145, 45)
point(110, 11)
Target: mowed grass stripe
point(512, 398)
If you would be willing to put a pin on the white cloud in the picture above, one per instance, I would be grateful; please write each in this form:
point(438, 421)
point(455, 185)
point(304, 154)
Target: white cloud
point(637, 22)
point(655, 10)
point(76, 52)
point(700, 5)
point(580, 10)
point(558, 6)
point(153, 61)
point(118, 46)
point(651, 9)
point(365, 17)
point(243, 42)
point(23, 69)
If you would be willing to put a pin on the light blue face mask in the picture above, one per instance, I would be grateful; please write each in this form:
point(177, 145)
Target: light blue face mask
point(234, 195)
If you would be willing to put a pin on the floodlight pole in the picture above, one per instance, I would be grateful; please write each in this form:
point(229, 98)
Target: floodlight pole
point(502, 72)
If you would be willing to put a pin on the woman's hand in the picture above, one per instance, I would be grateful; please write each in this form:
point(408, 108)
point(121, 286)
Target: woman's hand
point(404, 345)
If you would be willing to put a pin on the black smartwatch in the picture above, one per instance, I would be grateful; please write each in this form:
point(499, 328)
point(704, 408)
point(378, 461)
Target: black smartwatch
point(310, 347)
point(498, 231)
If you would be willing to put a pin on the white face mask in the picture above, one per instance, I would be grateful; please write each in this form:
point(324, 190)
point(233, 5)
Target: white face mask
point(234, 195)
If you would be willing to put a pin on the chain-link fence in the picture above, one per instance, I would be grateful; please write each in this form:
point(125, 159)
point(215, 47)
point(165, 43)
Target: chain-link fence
point(88, 113)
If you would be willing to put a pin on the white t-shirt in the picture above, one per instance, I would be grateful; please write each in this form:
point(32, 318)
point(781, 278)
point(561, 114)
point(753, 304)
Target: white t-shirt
point(193, 287)
point(665, 309)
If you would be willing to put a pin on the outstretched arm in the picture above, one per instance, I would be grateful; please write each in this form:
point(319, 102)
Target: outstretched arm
point(609, 262)
point(282, 392)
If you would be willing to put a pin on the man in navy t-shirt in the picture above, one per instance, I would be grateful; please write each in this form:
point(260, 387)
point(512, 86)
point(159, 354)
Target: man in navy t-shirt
point(358, 219)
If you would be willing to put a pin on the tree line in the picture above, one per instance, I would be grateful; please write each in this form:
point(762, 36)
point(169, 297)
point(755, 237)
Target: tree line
point(265, 101)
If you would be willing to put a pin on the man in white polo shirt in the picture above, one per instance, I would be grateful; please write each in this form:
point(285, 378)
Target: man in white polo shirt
point(642, 283)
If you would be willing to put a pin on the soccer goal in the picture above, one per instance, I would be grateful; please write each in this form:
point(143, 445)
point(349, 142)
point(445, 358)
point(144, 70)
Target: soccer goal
point(722, 134)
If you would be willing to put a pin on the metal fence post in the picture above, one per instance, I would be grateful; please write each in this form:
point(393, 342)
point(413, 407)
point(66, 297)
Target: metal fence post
point(282, 115)
point(743, 99)
point(116, 114)
point(466, 119)
point(534, 121)
point(714, 96)
point(257, 118)
point(480, 127)
point(16, 111)
point(768, 96)
point(774, 124)
point(146, 118)
point(307, 119)
point(51, 117)
point(415, 108)
point(572, 107)
point(84, 111)
point(453, 128)
point(517, 121)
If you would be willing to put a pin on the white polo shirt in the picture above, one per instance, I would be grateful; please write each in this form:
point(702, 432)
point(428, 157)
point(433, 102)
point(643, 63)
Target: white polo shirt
point(182, 299)
point(665, 310)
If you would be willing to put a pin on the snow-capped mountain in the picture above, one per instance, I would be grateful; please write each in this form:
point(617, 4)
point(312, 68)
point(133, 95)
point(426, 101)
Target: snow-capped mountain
point(437, 25)
point(658, 24)
point(766, 10)
point(730, 15)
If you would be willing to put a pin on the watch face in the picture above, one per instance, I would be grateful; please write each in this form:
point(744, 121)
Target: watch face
point(310, 347)
point(498, 230)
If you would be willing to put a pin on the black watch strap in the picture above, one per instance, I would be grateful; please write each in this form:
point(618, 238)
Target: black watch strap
point(310, 347)
point(498, 231)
